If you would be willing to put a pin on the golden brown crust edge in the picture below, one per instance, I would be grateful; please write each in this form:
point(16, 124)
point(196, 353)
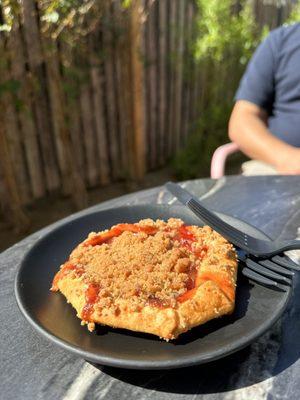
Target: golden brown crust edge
point(208, 301)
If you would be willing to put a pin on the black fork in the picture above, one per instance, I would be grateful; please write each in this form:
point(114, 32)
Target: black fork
point(268, 272)
point(276, 271)
point(251, 245)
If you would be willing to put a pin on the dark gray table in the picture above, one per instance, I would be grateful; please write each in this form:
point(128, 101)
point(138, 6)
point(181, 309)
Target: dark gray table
point(32, 368)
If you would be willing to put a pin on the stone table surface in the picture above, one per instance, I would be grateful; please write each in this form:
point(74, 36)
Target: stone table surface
point(33, 368)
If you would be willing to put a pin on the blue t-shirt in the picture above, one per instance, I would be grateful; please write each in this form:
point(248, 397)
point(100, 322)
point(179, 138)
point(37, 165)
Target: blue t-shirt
point(272, 81)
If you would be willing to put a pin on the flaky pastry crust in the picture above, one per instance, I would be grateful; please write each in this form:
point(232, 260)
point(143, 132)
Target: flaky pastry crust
point(188, 277)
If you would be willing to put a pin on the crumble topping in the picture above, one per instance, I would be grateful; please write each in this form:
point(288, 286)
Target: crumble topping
point(133, 268)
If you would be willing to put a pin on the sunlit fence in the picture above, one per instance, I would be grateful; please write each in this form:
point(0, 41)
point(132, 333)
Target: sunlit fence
point(110, 100)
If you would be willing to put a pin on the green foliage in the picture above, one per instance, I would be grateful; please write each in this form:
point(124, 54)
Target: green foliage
point(126, 3)
point(12, 86)
point(73, 18)
point(225, 40)
point(295, 14)
point(226, 36)
point(209, 131)
point(9, 9)
point(70, 18)
point(222, 30)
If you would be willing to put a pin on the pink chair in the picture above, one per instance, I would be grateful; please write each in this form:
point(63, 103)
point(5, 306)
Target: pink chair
point(217, 166)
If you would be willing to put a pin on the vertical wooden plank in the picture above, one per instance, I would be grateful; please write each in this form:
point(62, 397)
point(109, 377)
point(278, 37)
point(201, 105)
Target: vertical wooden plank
point(57, 111)
point(255, 9)
point(199, 89)
point(171, 75)
point(162, 87)
point(285, 11)
point(185, 74)
point(145, 55)
point(72, 94)
point(11, 102)
point(136, 71)
point(102, 146)
point(167, 58)
point(193, 10)
point(10, 197)
point(152, 71)
point(188, 71)
point(72, 181)
point(98, 109)
point(196, 79)
point(89, 134)
point(192, 104)
point(178, 74)
point(143, 83)
point(4, 199)
point(25, 113)
point(110, 97)
point(118, 23)
point(15, 148)
point(11, 128)
point(132, 89)
point(35, 61)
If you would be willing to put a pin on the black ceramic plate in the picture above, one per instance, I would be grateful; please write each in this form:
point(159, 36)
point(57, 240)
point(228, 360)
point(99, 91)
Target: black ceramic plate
point(257, 307)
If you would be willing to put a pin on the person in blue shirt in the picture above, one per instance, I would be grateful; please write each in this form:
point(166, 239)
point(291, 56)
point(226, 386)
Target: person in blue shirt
point(265, 121)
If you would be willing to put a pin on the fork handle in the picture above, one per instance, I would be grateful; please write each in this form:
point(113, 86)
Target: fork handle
point(275, 248)
point(291, 245)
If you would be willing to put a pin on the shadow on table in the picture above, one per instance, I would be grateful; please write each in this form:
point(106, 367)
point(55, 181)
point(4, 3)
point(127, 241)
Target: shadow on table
point(213, 377)
point(231, 373)
point(239, 370)
point(209, 378)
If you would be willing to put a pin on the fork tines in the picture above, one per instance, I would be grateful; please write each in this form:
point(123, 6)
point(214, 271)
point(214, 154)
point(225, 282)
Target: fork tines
point(285, 262)
point(268, 272)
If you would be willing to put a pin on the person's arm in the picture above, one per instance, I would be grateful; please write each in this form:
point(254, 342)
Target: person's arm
point(248, 129)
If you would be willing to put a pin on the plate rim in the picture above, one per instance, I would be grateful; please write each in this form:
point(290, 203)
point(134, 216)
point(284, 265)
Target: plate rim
point(185, 361)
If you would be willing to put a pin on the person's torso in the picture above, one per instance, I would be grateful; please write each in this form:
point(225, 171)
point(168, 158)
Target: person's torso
point(285, 119)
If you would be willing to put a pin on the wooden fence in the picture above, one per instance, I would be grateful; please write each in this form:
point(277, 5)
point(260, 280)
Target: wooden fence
point(118, 103)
